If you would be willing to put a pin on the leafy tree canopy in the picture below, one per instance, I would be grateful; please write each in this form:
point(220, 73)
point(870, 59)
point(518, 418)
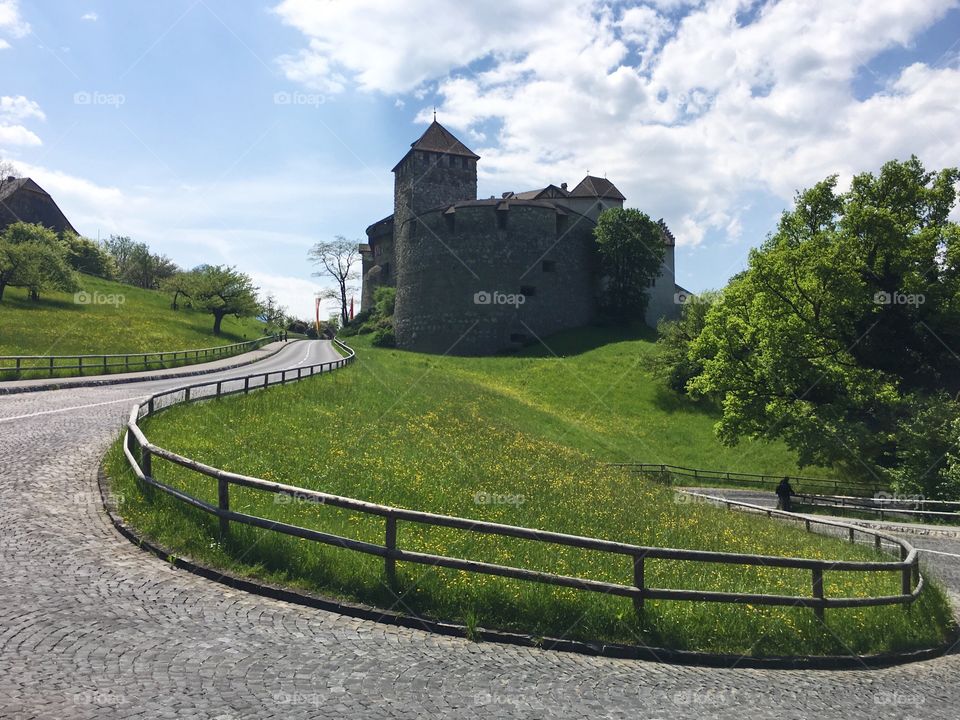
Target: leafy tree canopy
point(842, 336)
point(631, 249)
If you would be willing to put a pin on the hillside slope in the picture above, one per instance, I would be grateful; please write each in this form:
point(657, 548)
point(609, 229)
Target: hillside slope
point(142, 321)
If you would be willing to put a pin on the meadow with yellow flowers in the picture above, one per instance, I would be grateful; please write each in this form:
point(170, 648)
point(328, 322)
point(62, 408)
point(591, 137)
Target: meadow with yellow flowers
point(525, 440)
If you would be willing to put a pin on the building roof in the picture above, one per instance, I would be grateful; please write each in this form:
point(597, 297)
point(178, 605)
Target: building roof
point(437, 138)
point(12, 186)
point(592, 186)
point(550, 191)
point(668, 238)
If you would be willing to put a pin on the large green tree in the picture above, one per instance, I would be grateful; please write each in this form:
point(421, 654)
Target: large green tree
point(31, 256)
point(842, 336)
point(221, 290)
point(631, 249)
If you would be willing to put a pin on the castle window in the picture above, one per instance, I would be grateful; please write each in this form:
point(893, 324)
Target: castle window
point(501, 219)
point(528, 290)
point(451, 219)
point(465, 163)
point(561, 224)
point(549, 266)
point(518, 338)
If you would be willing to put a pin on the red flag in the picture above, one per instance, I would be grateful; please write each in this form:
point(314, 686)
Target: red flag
point(351, 307)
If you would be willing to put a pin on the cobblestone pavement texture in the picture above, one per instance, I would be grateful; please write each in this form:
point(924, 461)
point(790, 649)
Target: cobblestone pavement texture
point(93, 627)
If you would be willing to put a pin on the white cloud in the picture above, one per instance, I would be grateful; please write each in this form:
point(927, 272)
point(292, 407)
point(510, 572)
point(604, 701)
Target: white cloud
point(688, 107)
point(11, 22)
point(90, 17)
point(13, 110)
point(18, 135)
point(18, 107)
point(4, 44)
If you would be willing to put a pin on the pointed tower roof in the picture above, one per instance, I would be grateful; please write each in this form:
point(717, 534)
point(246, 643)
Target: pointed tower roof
point(592, 186)
point(438, 139)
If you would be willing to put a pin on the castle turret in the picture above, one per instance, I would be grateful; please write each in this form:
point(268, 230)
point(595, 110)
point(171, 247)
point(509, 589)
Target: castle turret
point(437, 170)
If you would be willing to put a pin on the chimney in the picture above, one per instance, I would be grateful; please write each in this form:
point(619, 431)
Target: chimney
point(563, 186)
point(11, 178)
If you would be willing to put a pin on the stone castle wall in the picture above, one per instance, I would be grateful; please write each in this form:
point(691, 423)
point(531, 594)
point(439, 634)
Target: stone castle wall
point(451, 262)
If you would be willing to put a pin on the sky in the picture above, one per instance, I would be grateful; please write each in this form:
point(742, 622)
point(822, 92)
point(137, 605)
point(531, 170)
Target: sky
point(242, 133)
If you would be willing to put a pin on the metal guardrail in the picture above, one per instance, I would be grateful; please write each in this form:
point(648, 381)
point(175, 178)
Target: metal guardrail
point(18, 364)
point(765, 481)
point(136, 443)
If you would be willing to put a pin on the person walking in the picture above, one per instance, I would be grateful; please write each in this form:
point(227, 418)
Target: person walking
point(784, 494)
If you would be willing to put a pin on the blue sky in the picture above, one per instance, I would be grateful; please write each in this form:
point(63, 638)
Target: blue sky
point(241, 133)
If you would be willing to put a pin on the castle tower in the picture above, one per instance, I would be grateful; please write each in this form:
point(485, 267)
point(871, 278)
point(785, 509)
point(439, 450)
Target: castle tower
point(437, 170)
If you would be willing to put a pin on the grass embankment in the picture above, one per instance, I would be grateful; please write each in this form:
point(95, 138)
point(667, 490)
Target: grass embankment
point(516, 440)
point(142, 321)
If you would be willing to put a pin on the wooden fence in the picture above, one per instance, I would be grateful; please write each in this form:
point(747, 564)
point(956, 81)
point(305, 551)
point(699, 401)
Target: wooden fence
point(18, 364)
point(766, 482)
point(141, 454)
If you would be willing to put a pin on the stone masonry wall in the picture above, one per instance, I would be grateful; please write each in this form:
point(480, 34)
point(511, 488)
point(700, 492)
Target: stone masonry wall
point(457, 277)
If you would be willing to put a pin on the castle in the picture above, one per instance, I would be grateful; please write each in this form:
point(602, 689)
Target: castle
point(474, 277)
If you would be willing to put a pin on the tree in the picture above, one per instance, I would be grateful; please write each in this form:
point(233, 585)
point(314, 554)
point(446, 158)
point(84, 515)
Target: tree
point(88, 257)
point(222, 291)
point(674, 361)
point(837, 338)
point(336, 260)
point(136, 265)
point(179, 285)
point(631, 249)
point(31, 256)
point(272, 313)
point(7, 171)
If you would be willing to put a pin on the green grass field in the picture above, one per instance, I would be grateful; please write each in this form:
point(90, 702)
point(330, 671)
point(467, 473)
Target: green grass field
point(519, 440)
point(143, 322)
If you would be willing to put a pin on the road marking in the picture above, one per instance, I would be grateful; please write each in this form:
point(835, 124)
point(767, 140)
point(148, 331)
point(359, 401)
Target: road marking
point(938, 552)
point(74, 407)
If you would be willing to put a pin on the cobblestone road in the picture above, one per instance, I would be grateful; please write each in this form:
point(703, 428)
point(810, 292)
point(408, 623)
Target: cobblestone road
point(92, 627)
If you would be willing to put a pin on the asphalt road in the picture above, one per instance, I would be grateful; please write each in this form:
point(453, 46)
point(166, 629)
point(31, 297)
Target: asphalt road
point(93, 627)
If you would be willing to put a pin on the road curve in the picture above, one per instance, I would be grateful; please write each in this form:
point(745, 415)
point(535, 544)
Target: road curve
point(93, 627)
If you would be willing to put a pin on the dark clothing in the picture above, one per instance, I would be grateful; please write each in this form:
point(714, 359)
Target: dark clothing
point(784, 493)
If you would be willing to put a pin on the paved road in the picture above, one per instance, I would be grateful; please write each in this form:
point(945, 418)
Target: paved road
point(92, 627)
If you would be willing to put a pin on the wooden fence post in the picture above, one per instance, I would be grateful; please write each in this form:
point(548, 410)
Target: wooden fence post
point(818, 590)
point(223, 501)
point(390, 563)
point(638, 582)
point(146, 463)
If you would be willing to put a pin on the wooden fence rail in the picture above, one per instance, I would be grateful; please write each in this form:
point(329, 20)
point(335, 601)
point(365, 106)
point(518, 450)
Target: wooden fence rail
point(766, 481)
point(18, 364)
point(140, 454)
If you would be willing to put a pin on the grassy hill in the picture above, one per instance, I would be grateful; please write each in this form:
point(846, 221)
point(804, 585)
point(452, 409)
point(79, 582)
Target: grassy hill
point(142, 322)
point(519, 440)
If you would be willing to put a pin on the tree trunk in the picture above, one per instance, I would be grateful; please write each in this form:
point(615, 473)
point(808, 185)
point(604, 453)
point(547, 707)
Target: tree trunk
point(217, 319)
point(3, 286)
point(343, 304)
